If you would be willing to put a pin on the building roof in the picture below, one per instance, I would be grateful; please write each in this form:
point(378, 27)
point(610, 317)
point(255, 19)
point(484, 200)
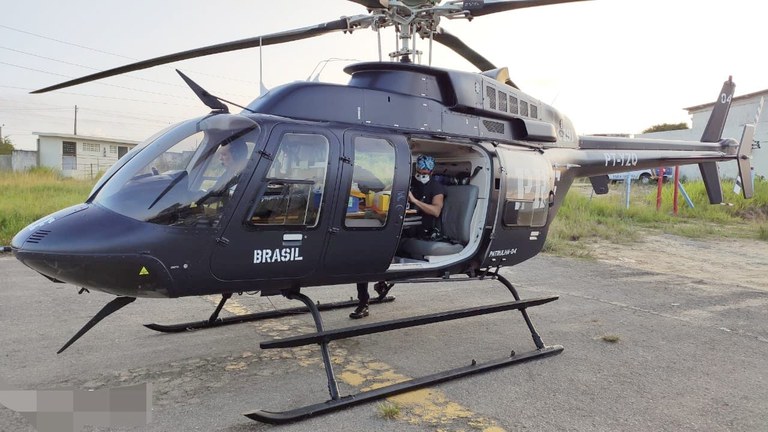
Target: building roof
point(736, 99)
point(86, 138)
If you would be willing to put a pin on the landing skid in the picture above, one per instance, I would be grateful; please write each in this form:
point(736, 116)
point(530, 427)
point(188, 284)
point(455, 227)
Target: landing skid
point(380, 393)
point(215, 321)
point(323, 338)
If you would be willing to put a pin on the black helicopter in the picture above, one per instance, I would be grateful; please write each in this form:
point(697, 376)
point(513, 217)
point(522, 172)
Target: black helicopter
point(289, 194)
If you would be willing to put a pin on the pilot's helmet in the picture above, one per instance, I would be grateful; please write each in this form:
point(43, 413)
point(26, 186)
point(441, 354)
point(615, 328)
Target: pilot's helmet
point(425, 163)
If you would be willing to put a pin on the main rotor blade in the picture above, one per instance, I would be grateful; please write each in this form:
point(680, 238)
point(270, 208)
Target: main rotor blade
point(457, 45)
point(370, 4)
point(345, 23)
point(490, 6)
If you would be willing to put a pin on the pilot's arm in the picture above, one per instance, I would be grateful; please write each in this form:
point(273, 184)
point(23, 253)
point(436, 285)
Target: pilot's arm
point(432, 209)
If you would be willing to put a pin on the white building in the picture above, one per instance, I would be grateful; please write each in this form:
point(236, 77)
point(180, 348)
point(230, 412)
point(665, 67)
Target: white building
point(80, 156)
point(744, 110)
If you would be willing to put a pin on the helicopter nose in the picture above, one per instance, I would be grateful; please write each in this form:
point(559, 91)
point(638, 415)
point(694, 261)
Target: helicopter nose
point(90, 247)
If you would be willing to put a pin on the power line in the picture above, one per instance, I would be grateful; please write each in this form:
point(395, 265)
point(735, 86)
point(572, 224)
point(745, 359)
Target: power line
point(112, 54)
point(96, 82)
point(87, 67)
point(66, 43)
point(103, 97)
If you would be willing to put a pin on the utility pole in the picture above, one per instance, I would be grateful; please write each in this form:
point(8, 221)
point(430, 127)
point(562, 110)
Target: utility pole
point(75, 119)
point(1, 132)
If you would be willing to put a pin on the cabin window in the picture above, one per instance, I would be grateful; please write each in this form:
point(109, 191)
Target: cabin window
point(529, 183)
point(295, 182)
point(372, 176)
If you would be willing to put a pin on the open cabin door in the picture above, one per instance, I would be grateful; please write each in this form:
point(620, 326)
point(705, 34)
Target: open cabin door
point(279, 228)
point(526, 193)
point(368, 216)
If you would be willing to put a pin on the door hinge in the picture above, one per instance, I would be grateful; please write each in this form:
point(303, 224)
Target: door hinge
point(333, 230)
point(346, 160)
point(265, 155)
point(222, 240)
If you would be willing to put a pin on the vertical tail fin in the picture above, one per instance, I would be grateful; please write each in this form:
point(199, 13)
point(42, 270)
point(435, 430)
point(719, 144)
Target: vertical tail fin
point(744, 160)
point(713, 133)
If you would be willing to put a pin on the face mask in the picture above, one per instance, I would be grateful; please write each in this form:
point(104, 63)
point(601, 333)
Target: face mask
point(423, 178)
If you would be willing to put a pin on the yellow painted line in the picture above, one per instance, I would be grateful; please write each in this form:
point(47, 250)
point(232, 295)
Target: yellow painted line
point(419, 407)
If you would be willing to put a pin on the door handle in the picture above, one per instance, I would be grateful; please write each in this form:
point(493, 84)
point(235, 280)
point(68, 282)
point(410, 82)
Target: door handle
point(292, 239)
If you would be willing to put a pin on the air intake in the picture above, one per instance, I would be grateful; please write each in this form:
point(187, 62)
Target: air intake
point(494, 126)
point(38, 236)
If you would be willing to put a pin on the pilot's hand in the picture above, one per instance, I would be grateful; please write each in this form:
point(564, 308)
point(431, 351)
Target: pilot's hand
point(411, 198)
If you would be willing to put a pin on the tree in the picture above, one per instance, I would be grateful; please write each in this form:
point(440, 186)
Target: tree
point(666, 127)
point(6, 146)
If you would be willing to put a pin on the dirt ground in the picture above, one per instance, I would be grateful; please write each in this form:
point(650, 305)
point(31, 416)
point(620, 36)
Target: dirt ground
point(741, 262)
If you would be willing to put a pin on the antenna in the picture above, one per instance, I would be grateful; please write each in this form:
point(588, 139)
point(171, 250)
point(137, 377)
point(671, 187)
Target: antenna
point(324, 63)
point(262, 88)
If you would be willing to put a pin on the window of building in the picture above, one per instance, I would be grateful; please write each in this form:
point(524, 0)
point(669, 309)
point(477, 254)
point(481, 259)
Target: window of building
point(91, 147)
point(372, 177)
point(295, 182)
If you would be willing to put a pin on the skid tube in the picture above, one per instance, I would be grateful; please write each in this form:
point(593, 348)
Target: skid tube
point(324, 337)
point(215, 321)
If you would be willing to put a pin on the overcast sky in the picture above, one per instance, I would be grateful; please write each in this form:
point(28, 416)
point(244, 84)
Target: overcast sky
point(612, 66)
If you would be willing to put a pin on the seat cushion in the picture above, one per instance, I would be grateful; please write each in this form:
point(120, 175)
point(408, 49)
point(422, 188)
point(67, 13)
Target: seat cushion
point(418, 249)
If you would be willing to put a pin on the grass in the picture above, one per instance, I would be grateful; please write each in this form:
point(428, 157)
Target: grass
point(611, 338)
point(581, 219)
point(584, 218)
point(388, 410)
point(28, 196)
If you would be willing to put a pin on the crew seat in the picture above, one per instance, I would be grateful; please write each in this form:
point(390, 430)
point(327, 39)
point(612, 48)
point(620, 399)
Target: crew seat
point(456, 221)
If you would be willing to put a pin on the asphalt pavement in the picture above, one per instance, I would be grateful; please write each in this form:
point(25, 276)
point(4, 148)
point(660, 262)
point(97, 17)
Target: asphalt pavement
point(644, 351)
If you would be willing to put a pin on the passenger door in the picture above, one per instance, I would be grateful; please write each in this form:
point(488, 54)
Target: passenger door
point(526, 193)
point(278, 233)
point(367, 219)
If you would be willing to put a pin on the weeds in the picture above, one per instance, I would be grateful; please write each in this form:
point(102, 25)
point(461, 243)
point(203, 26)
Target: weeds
point(583, 218)
point(28, 196)
point(388, 410)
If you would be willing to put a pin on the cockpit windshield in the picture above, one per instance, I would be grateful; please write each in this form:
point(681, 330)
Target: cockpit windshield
point(186, 176)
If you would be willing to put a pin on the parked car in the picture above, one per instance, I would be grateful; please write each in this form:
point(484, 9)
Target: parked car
point(644, 176)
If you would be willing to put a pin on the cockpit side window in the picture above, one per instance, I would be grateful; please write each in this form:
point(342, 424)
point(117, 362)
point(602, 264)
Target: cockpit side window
point(295, 182)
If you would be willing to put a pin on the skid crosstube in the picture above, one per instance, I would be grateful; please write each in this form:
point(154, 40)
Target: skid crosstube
point(258, 316)
point(343, 333)
point(414, 384)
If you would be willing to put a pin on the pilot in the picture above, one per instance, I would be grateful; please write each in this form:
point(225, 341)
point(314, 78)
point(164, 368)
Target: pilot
point(427, 195)
point(233, 157)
